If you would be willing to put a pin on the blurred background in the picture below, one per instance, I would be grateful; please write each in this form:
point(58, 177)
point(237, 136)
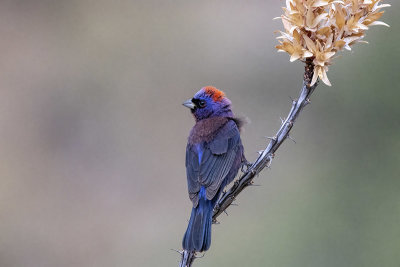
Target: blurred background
point(93, 134)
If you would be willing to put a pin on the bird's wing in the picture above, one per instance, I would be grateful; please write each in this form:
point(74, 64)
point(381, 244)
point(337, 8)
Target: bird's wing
point(221, 159)
point(192, 173)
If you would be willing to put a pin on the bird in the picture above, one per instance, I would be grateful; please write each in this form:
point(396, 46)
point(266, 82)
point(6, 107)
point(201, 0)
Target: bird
point(214, 154)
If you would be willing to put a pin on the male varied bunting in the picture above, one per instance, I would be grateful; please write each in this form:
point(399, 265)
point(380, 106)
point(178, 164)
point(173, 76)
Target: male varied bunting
point(214, 154)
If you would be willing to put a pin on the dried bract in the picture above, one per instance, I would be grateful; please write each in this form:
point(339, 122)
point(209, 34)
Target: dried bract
point(318, 29)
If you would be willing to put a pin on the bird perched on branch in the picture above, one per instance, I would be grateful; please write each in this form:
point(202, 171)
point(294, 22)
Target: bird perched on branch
point(214, 154)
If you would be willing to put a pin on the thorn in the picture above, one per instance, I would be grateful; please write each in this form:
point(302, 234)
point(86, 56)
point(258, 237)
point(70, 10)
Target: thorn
point(234, 204)
point(226, 213)
point(308, 101)
point(271, 138)
point(289, 137)
point(260, 152)
point(282, 120)
point(180, 252)
point(291, 98)
point(198, 257)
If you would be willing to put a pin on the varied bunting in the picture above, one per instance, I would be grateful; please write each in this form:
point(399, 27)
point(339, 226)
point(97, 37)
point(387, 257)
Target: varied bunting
point(214, 154)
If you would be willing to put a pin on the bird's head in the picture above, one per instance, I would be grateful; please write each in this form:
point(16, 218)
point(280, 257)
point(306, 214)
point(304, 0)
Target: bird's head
point(209, 102)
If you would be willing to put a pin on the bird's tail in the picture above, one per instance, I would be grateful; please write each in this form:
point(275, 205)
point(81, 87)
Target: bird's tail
point(198, 233)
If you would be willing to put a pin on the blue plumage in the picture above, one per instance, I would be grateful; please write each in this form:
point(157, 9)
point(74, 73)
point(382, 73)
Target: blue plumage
point(214, 154)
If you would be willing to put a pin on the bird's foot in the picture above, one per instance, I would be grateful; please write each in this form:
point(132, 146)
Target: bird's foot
point(245, 166)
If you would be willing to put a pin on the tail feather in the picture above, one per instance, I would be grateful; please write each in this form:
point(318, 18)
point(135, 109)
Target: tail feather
point(198, 234)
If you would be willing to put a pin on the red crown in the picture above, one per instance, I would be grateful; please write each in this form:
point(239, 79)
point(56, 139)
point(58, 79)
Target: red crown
point(217, 95)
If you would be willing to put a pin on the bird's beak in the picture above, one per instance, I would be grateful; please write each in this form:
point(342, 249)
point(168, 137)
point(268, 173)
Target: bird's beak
point(189, 104)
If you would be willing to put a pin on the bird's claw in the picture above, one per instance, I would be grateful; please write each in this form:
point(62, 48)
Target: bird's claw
point(245, 166)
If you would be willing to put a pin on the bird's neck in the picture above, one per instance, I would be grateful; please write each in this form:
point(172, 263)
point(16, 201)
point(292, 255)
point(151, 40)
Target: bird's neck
point(206, 129)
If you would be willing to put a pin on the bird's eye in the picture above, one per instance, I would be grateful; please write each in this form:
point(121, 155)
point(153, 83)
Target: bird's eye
point(202, 103)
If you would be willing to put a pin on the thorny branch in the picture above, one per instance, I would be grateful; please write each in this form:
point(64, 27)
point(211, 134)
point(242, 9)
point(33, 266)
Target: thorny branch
point(265, 157)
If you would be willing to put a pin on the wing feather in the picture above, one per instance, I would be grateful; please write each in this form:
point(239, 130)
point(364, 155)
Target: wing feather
point(219, 163)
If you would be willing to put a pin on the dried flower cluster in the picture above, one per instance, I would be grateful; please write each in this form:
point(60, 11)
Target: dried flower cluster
point(318, 29)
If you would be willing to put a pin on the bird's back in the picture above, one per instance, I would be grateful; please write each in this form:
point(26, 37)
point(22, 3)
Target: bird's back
point(213, 156)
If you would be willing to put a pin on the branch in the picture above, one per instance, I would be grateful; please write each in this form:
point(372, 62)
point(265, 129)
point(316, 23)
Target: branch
point(187, 258)
point(265, 157)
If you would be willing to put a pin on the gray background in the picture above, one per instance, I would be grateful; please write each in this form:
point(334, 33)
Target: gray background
point(93, 134)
